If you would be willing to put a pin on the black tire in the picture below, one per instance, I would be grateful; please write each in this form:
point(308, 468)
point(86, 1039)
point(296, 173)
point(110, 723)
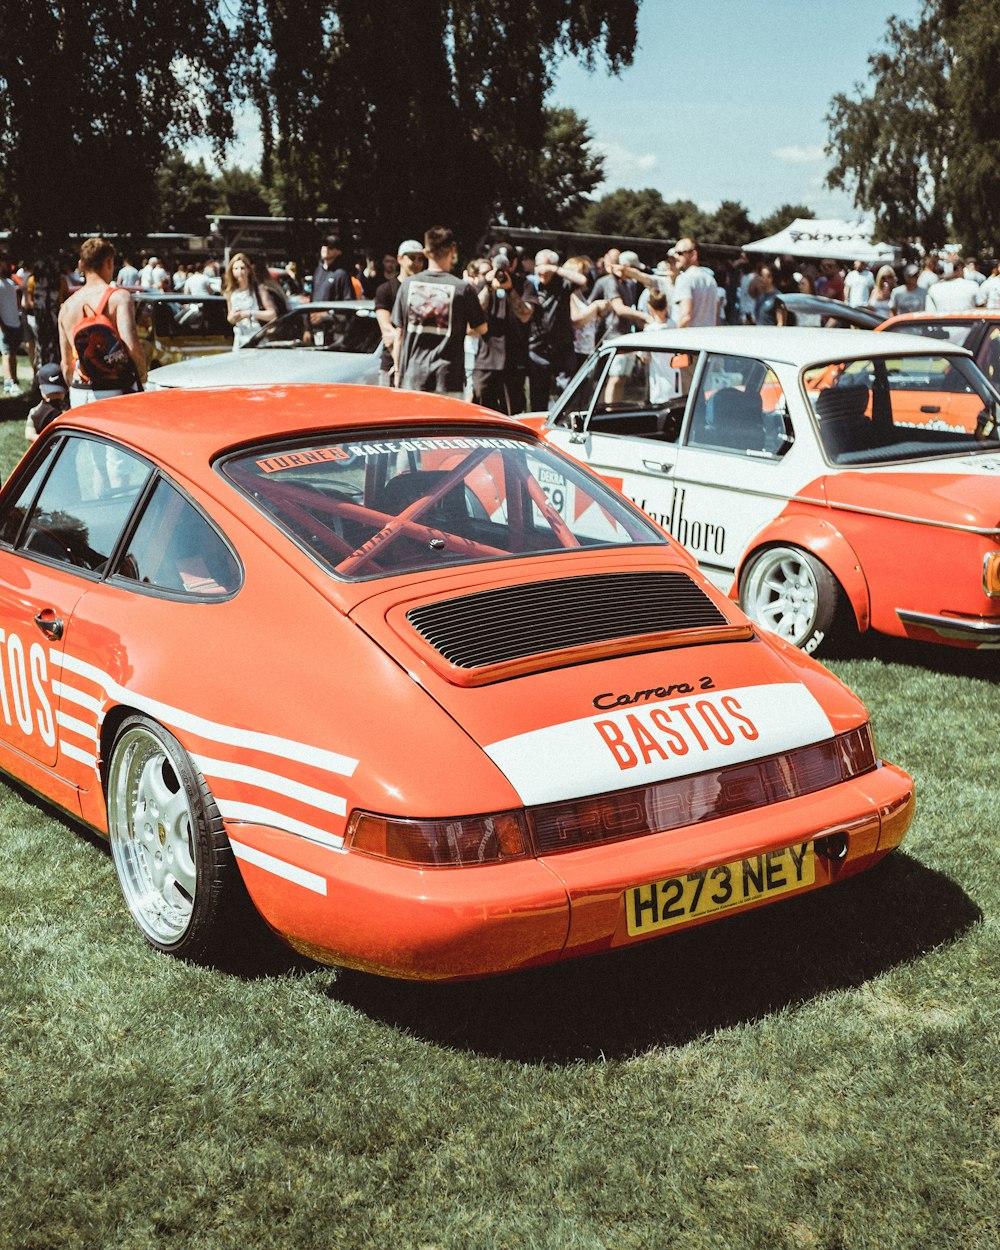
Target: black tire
point(791, 593)
point(174, 863)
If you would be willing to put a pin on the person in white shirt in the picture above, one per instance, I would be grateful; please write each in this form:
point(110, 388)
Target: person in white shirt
point(696, 293)
point(991, 289)
point(954, 292)
point(929, 274)
point(858, 285)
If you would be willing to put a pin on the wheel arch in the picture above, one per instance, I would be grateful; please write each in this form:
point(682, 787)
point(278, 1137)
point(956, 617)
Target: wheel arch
point(822, 539)
point(113, 720)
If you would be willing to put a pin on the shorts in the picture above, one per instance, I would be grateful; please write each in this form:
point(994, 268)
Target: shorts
point(10, 339)
point(80, 395)
point(622, 365)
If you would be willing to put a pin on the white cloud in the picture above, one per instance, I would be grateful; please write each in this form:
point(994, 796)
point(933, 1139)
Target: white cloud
point(622, 166)
point(798, 155)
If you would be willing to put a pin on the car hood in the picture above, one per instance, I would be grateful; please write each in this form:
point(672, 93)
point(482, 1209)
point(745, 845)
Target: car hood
point(962, 491)
point(268, 367)
point(619, 709)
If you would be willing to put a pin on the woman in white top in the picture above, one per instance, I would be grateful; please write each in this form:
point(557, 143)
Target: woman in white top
point(585, 316)
point(250, 305)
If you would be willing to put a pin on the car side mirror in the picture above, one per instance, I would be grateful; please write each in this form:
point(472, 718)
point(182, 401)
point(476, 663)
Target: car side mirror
point(680, 361)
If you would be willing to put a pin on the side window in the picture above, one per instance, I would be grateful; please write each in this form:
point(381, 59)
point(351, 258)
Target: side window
point(576, 404)
point(84, 504)
point(17, 507)
point(174, 548)
point(740, 407)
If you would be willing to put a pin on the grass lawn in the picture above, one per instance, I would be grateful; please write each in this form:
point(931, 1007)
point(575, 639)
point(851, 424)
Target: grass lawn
point(819, 1074)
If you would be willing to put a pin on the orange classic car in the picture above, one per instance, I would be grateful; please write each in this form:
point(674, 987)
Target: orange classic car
point(346, 658)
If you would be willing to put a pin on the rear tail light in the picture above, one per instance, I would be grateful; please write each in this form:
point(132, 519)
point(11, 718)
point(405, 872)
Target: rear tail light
point(991, 574)
point(665, 805)
point(708, 796)
point(463, 840)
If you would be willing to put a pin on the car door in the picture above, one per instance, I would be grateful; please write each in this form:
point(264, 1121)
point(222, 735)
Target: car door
point(59, 524)
point(729, 476)
point(622, 419)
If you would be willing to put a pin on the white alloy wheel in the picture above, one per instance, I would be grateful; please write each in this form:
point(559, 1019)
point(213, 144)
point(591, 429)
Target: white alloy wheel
point(791, 593)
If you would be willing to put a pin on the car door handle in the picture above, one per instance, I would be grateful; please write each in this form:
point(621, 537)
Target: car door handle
point(657, 466)
point(930, 407)
point(50, 624)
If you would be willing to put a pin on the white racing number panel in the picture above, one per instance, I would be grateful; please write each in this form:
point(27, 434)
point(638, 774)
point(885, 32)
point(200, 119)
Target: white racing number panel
point(658, 741)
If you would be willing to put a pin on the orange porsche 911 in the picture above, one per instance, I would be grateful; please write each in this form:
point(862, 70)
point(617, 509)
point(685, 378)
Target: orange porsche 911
point(349, 656)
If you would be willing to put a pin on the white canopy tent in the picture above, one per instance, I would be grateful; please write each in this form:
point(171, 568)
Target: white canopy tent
point(833, 239)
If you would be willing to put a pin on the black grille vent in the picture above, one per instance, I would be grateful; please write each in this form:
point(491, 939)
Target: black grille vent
point(496, 626)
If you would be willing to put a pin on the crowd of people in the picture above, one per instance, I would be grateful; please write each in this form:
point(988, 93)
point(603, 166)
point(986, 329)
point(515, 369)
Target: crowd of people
point(508, 331)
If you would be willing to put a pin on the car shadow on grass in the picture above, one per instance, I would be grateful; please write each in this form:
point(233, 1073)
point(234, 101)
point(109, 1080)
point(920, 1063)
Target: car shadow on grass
point(670, 991)
point(936, 658)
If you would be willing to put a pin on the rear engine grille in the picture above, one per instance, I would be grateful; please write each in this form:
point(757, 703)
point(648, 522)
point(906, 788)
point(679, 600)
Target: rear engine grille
point(511, 622)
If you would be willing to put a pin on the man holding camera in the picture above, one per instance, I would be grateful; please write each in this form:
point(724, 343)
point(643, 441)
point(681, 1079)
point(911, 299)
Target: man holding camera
point(502, 358)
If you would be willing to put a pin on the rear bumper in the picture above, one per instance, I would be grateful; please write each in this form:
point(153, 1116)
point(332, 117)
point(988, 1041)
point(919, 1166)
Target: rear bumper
point(975, 630)
point(453, 924)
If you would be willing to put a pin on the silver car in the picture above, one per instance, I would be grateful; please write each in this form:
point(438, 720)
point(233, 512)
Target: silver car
point(339, 341)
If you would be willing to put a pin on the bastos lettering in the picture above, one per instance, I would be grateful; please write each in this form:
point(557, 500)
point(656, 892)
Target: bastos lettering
point(684, 728)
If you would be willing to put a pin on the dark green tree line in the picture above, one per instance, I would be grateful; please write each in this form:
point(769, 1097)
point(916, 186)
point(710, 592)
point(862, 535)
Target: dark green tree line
point(92, 97)
point(920, 147)
point(386, 117)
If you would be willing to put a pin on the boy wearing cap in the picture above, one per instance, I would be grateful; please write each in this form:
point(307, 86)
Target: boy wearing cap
point(52, 386)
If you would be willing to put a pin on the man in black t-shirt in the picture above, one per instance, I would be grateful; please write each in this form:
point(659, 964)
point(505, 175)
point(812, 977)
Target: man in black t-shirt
point(508, 300)
point(550, 336)
point(432, 315)
point(331, 280)
point(410, 259)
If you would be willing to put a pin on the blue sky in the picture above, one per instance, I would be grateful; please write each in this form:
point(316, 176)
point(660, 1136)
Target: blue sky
point(725, 99)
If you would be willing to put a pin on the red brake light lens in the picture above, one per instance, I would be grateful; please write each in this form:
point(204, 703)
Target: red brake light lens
point(708, 796)
point(460, 841)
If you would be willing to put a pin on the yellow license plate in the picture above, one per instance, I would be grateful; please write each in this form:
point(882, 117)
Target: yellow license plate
point(677, 900)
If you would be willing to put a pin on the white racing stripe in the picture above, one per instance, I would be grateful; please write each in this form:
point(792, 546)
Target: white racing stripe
point(70, 694)
point(659, 740)
point(80, 727)
point(278, 867)
point(285, 748)
point(74, 753)
point(226, 771)
point(253, 815)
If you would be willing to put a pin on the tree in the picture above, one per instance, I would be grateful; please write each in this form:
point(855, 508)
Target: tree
point(185, 194)
point(551, 188)
point(639, 214)
point(780, 218)
point(404, 115)
point(920, 149)
point(92, 97)
point(241, 193)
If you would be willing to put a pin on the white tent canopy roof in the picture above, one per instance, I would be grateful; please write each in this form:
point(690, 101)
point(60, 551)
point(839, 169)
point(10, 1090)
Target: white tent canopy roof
point(838, 240)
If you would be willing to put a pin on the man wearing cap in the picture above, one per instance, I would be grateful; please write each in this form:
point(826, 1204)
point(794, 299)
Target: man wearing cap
point(331, 280)
point(909, 297)
point(696, 292)
point(551, 359)
point(409, 260)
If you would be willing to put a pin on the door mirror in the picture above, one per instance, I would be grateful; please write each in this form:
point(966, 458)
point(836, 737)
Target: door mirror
point(681, 360)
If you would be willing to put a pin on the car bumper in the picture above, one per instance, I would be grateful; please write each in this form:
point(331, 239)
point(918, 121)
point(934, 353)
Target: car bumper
point(977, 631)
point(458, 923)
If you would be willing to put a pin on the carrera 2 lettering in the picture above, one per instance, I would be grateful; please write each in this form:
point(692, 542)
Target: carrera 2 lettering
point(605, 702)
point(687, 727)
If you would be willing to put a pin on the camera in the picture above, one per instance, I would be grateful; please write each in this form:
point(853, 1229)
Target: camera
point(501, 267)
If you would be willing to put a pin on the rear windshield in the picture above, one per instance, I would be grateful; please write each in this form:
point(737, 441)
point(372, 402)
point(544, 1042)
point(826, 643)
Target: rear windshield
point(368, 509)
point(910, 407)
